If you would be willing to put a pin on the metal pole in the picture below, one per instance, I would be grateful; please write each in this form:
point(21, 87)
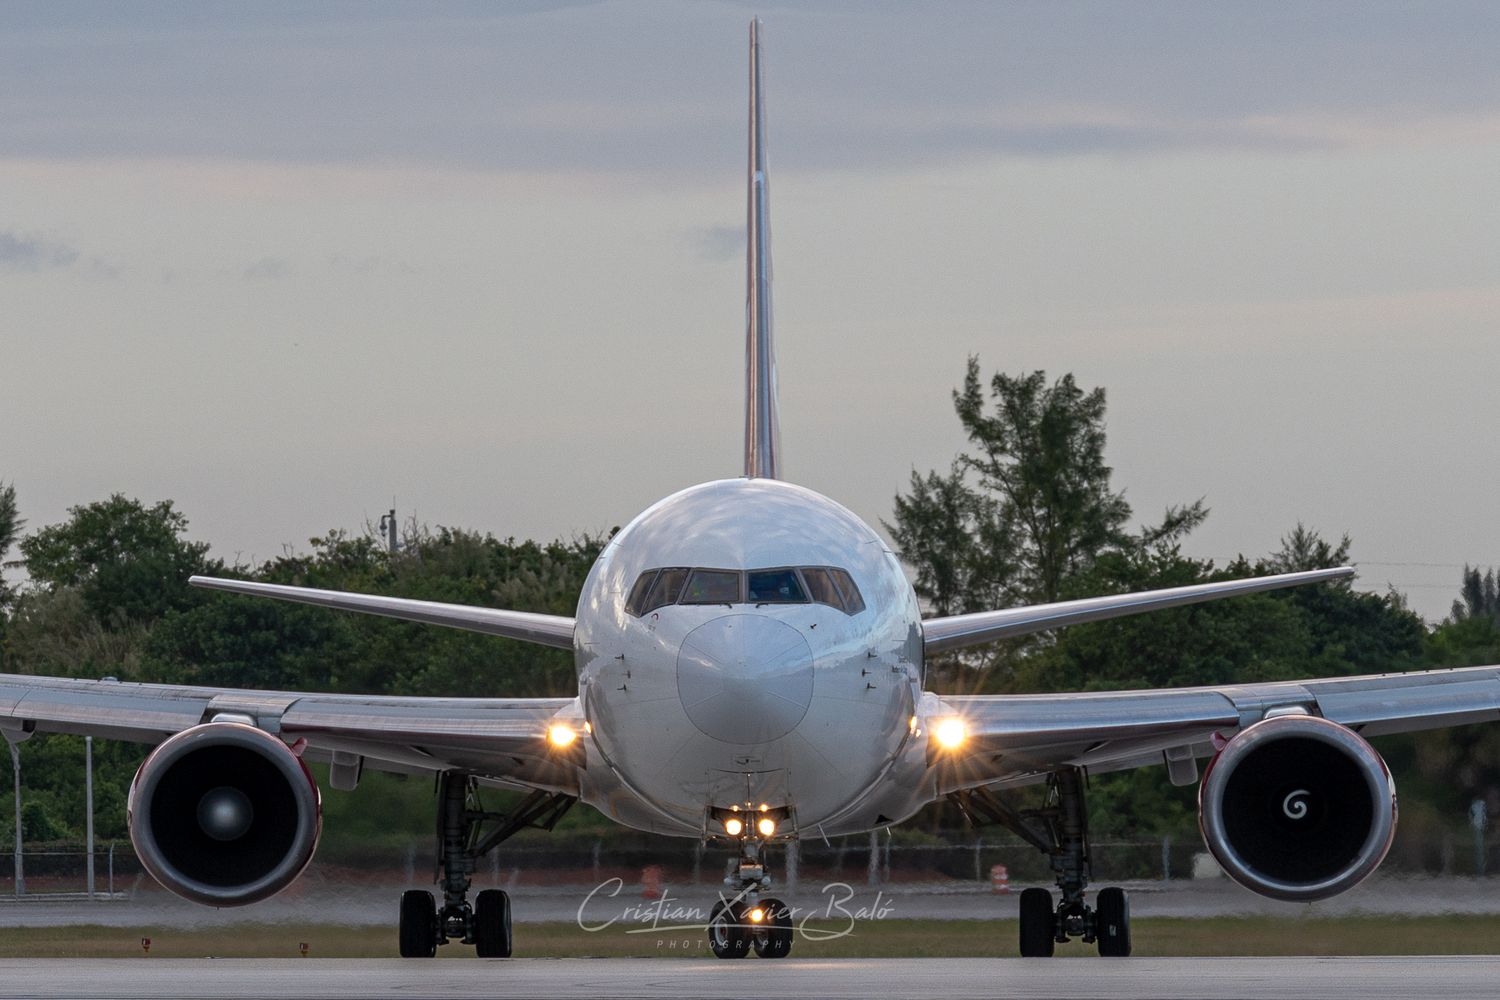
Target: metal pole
point(111, 869)
point(15, 763)
point(88, 798)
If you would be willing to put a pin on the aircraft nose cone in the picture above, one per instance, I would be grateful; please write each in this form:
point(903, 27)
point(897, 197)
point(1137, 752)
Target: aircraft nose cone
point(745, 678)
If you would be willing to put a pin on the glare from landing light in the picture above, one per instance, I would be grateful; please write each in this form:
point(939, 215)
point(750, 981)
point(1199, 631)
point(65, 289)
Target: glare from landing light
point(950, 733)
point(561, 735)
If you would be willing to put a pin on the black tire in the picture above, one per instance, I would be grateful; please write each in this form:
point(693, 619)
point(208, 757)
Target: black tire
point(418, 928)
point(1112, 923)
point(773, 939)
point(1038, 924)
point(492, 924)
point(727, 934)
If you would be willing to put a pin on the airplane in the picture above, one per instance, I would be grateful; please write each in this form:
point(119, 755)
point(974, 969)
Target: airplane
point(750, 659)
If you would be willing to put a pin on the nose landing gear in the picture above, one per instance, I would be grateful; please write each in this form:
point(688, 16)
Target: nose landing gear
point(746, 921)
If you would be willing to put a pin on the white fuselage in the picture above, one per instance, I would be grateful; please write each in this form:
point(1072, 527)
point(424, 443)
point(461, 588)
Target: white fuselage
point(801, 707)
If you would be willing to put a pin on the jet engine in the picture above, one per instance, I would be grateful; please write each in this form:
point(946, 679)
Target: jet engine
point(1297, 807)
point(224, 814)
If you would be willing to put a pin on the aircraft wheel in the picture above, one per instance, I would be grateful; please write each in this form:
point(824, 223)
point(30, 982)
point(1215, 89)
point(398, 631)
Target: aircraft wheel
point(773, 938)
point(727, 934)
point(1038, 924)
point(1112, 923)
point(492, 924)
point(418, 929)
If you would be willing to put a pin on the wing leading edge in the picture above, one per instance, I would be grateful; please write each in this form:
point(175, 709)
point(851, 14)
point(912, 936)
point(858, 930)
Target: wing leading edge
point(544, 630)
point(958, 631)
point(504, 739)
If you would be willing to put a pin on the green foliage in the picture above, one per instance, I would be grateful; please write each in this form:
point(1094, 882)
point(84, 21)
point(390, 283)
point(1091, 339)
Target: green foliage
point(129, 562)
point(53, 790)
point(1030, 508)
point(109, 597)
point(1479, 596)
point(10, 530)
point(1040, 455)
point(53, 632)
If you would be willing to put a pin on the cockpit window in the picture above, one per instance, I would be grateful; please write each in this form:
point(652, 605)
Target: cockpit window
point(712, 586)
point(853, 603)
point(636, 602)
point(820, 586)
point(656, 588)
point(775, 586)
point(667, 589)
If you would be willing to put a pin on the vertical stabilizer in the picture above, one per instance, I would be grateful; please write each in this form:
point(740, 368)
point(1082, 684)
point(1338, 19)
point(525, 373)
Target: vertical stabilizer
point(762, 427)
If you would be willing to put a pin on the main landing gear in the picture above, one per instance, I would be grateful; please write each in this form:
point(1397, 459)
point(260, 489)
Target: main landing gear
point(462, 841)
point(745, 920)
point(1060, 830)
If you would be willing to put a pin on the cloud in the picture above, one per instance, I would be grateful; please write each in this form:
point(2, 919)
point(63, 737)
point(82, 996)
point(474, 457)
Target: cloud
point(718, 243)
point(33, 252)
point(266, 268)
point(660, 88)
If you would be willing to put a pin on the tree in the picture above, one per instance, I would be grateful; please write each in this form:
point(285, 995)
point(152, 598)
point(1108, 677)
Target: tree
point(10, 529)
point(1029, 508)
point(1479, 596)
point(129, 562)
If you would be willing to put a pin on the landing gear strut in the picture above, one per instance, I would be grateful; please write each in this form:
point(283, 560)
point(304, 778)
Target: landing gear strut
point(745, 920)
point(1059, 830)
point(462, 841)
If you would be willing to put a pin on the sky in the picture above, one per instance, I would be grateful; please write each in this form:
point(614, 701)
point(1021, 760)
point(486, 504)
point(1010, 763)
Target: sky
point(289, 265)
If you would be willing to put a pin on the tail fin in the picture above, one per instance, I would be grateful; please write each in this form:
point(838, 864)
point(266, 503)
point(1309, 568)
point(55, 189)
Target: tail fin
point(762, 427)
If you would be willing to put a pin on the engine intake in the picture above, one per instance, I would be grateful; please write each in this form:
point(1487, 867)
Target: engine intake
point(224, 814)
point(1297, 807)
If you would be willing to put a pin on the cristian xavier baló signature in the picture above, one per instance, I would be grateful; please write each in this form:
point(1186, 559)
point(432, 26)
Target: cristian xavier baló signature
point(836, 916)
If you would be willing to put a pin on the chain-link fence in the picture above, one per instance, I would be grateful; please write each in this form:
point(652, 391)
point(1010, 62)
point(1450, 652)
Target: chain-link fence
point(574, 858)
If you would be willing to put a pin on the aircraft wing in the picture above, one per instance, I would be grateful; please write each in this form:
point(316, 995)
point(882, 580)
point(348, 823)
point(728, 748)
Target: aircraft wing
point(958, 631)
point(544, 630)
point(504, 739)
point(1017, 739)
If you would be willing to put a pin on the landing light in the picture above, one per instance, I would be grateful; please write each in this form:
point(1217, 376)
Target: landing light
point(766, 826)
point(950, 733)
point(733, 827)
point(757, 915)
point(561, 735)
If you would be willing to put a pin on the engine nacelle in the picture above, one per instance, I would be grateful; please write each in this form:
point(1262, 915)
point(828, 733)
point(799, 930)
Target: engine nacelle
point(1297, 807)
point(224, 814)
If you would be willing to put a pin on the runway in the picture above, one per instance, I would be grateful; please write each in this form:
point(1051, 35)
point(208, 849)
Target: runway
point(1073, 978)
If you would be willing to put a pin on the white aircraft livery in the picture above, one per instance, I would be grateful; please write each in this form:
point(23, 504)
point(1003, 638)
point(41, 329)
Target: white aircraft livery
point(750, 672)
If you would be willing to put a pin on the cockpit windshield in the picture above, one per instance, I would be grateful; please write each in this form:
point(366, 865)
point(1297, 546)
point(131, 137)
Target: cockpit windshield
point(774, 586)
point(712, 586)
point(828, 585)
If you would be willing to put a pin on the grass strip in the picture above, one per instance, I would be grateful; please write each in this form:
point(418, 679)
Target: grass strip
point(1218, 936)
